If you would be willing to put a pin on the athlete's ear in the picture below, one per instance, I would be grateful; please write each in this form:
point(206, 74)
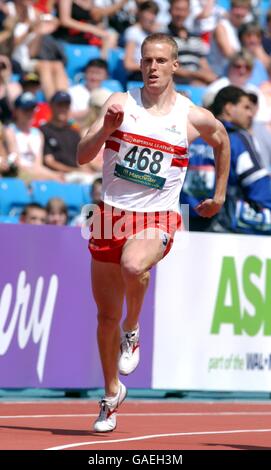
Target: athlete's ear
point(175, 66)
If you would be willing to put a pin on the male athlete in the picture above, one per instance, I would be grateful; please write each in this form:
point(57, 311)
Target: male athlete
point(146, 133)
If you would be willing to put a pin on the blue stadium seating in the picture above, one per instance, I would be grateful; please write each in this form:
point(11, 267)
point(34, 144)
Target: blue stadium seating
point(9, 219)
point(224, 3)
point(13, 196)
point(73, 197)
point(195, 93)
point(71, 193)
point(86, 188)
point(78, 56)
point(112, 85)
point(134, 84)
point(115, 65)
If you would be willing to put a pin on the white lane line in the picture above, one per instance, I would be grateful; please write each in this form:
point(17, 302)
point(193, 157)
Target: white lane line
point(87, 401)
point(157, 436)
point(91, 415)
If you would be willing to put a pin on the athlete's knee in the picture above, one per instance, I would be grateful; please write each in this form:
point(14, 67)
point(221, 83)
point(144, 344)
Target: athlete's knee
point(132, 268)
point(107, 318)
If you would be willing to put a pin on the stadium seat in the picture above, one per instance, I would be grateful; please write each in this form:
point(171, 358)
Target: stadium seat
point(42, 191)
point(13, 196)
point(116, 66)
point(15, 77)
point(195, 93)
point(72, 194)
point(86, 193)
point(73, 197)
point(134, 84)
point(78, 56)
point(9, 219)
point(224, 3)
point(40, 96)
point(112, 85)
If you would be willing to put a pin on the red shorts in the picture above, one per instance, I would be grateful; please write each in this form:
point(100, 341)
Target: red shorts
point(111, 227)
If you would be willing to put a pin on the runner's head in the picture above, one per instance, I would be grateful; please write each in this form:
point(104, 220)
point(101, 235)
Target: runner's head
point(159, 60)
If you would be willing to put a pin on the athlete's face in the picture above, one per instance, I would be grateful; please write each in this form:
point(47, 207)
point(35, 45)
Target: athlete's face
point(157, 64)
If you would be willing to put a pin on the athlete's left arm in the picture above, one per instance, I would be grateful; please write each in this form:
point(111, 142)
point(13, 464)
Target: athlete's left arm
point(202, 123)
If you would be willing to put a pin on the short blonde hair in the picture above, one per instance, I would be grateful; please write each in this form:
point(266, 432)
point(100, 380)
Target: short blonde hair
point(161, 37)
point(241, 3)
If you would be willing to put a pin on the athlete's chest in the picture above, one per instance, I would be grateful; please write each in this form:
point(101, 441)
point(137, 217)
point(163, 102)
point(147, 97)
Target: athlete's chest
point(169, 128)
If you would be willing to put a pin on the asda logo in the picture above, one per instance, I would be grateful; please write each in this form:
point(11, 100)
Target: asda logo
point(231, 292)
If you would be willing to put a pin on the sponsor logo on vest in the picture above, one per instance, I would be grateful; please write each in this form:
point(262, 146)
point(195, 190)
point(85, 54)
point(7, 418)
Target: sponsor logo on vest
point(134, 117)
point(173, 129)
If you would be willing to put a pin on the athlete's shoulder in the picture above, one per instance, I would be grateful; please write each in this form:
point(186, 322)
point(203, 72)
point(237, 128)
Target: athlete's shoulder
point(182, 99)
point(118, 97)
point(199, 117)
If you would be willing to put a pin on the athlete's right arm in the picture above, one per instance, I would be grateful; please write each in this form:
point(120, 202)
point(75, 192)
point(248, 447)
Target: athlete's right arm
point(109, 120)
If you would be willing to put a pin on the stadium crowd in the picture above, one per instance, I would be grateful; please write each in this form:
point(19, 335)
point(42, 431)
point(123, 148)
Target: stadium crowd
point(61, 59)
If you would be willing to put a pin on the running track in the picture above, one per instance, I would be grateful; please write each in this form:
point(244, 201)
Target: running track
point(155, 425)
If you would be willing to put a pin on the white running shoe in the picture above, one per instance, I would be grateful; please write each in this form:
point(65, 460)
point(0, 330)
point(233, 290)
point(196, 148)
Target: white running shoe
point(129, 351)
point(107, 419)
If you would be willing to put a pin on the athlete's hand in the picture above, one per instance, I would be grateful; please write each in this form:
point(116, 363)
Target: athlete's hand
point(208, 207)
point(113, 117)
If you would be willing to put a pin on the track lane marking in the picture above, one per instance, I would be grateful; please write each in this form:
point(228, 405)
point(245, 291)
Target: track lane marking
point(157, 436)
point(92, 415)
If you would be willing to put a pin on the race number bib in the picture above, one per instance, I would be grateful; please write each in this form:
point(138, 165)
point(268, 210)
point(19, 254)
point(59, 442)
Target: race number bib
point(142, 165)
point(143, 160)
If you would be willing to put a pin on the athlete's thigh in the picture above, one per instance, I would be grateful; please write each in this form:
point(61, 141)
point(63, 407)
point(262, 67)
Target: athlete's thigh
point(146, 247)
point(107, 285)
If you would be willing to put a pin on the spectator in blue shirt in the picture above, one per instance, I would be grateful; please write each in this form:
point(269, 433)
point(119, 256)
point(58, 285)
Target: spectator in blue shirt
point(248, 202)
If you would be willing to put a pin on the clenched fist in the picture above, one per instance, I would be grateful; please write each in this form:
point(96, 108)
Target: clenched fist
point(208, 207)
point(113, 117)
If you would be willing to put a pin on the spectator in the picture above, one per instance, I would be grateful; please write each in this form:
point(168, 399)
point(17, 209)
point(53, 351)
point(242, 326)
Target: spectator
point(192, 51)
point(35, 48)
point(96, 191)
point(95, 104)
point(8, 160)
point(225, 42)
point(33, 214)
point(95, 198)
point(135, 35)
point(199, 183)
point(61, 142)
point(248, 203)
point(30, 82)
point(7, 26)
point(238, 74)
point(204, 16)
point(123, 18)
point(261, 134)
point(28, 141)
point(8, 90)
point(95, 72)
point(250, 35)
point(45, 6)
point(103, 10)
point(266, 38)
point(57, 212)
point(3, 153)
point(78, 26)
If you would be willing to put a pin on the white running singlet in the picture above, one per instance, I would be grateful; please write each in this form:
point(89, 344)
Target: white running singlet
point(145, 159)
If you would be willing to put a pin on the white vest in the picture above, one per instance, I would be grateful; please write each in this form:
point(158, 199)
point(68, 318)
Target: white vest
point(145, 160)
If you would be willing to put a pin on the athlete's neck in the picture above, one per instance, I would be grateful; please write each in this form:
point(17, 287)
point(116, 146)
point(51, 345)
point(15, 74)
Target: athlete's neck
point(158, 102)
